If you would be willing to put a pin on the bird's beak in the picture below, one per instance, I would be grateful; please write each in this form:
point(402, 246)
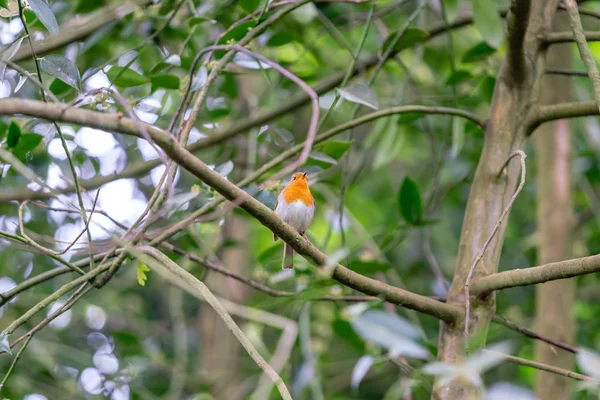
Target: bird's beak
point(304, 176)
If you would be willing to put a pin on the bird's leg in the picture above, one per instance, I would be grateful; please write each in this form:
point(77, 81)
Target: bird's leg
point(305, 238)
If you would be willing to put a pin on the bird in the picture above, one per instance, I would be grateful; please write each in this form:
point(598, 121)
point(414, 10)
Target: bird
point(296, 206)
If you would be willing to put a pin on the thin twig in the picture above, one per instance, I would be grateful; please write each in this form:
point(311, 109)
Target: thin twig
point(173, 272)
point(566, 72)
point(522, 156)
point(14, 362)
point(60, 134)
point(542, 367)
point(584, 50)
point(45, 249)
point(534, 335)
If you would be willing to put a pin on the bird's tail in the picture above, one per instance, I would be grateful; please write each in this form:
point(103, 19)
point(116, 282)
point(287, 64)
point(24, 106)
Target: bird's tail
point(288, 257)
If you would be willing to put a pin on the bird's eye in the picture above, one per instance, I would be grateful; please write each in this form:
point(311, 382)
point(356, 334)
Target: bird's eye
point(294, 178)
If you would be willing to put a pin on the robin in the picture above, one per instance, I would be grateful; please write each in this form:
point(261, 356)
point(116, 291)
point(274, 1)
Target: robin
point(296, 206)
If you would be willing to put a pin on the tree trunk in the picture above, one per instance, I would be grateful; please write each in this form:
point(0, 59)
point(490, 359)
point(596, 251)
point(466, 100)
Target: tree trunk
point(555, 300)
point(514, 96)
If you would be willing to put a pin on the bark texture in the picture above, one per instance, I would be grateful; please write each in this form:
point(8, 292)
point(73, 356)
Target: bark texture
point(493, 186)
point(555, 300)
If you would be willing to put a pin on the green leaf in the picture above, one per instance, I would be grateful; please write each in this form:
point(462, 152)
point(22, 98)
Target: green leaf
point(458, 77)
point(334, 148)
point(360, 94)
point(14, 133)
point(451, 8)
point(197, 20)
point(45, 15)
point(368, 267)
point(141, 274)
point(167, 81)
point(59, 87)
point(8, 54)
point(237, 33)
point(409, 202)
point(250, 5)
point(125, 77)
point(27, 142)
point(488, 22)
point(62, 68)
point(280, 38)
point(3, 4)
point(343, 329)
point(409, 38)
point(479, 52)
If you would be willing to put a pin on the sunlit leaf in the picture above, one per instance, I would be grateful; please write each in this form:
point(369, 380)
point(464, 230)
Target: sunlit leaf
point(22, 80)
point(589, 362)
point(489, 358)
point(247, 61)
point(360, 369)
point(199, 79)
point(125, 77)
point(8, 54)
point(4, 345)
point(225, 168)
point(62, 68)
point(360, 94)
point(488, 22)
point(141, 273)
point(506, 390)
point(181, 199)
point(45, 15)
point(14, 134)
point(390, 332)
point(409, 202)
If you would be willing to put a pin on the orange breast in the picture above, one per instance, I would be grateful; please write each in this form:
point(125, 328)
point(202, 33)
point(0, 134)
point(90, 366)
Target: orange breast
point(294, 192)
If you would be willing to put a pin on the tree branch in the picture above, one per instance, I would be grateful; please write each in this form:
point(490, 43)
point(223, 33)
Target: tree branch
point(543, 367)
point(78, 29)
point(266, 216)
point(553, 112)
point(517, 20)
point(140, 168)
point(534, 335)
point(567, 37)
point(534, 275)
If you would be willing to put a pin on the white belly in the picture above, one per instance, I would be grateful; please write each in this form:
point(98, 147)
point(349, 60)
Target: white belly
point(297, 214)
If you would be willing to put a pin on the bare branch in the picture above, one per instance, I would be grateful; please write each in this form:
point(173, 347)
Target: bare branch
point(534, 275)
point(584, 50)
point(534, 335)
point(543, 367)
